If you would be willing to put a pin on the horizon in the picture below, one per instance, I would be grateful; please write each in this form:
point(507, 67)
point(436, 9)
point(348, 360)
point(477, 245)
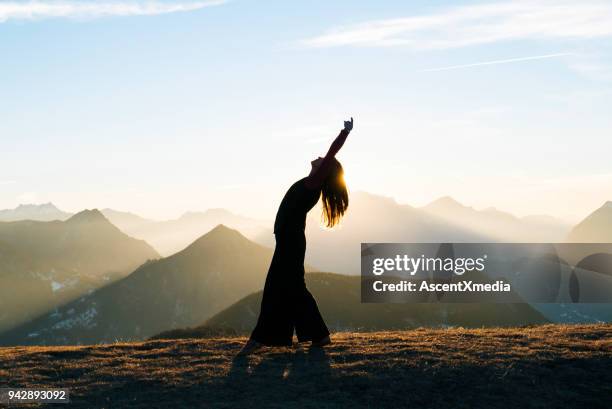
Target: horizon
point(249, 216)
point(165, 107)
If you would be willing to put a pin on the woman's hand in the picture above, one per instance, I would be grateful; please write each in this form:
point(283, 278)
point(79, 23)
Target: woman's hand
point(316, 178)
point(348, 125)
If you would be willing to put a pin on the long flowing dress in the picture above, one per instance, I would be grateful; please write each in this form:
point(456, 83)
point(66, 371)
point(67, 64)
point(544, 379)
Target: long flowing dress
point(287, 304)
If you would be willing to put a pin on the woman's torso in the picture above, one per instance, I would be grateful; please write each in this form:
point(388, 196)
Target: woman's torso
point(297, 202)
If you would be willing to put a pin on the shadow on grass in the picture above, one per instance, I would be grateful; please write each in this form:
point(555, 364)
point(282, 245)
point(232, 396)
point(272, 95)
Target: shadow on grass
point(283, 366)
point(280, 378)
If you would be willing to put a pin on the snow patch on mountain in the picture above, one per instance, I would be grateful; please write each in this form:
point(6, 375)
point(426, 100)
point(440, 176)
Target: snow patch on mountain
point(84, 320)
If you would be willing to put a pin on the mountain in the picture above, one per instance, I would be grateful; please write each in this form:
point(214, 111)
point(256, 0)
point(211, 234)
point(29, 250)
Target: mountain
point(595, 232)
point(125, 221)
point(166, 236)
point(170, 236)
point(85, 243)
point(184, 289)
point(43, 212)
point(339, 300)
point(371, 218)
point(498, 225)
point(595, 228)
point(46, 264)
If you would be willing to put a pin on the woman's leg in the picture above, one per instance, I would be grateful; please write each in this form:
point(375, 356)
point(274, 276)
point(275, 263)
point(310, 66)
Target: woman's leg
point(275, 323)
point(309, 324)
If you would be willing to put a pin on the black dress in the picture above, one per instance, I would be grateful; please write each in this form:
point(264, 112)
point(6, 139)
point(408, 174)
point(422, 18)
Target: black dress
point(287, 304)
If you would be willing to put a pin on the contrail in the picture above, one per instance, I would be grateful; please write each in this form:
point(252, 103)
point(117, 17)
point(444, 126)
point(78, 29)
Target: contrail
point(510, 60)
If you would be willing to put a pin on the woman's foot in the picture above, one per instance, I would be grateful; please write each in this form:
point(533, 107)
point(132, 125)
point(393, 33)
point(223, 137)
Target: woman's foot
point(250, 347)
point(321, 342)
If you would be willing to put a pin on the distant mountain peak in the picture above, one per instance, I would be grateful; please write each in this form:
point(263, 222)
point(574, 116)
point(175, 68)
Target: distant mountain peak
point(45, 206)
point(88, 216)
point(445, 202)
point(222, 230)
point(30, 211)
point(220, 235)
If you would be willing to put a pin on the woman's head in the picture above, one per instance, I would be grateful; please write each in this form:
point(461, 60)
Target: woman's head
point(315, 164)
point(334, 195)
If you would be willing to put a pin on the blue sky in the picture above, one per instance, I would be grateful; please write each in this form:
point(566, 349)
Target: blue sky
point(163, 107)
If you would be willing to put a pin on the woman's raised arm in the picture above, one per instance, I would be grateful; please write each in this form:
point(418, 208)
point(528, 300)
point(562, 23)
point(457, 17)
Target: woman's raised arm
point(316, 179)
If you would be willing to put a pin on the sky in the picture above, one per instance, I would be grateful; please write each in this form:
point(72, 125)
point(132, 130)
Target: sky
point(163, 107)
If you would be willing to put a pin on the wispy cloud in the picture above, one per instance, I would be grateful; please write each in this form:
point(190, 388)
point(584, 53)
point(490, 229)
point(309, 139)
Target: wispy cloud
point(506, 61)
point(478, 24)
point(7, 182)
point(35, 10)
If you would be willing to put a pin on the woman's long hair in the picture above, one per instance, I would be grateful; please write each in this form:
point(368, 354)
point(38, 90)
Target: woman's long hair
point(334, 195)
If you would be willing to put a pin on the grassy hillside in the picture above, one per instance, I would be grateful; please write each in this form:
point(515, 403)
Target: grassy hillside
point(339, 299)
point(548, 366)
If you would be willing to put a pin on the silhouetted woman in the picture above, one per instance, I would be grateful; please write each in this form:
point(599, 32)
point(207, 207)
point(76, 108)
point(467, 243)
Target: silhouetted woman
point(287, 304)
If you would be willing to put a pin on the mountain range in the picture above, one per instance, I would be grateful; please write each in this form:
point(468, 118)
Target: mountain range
point(170, 236)
point(166, 236)
point(184, 289)
point(74, 275)
point(373, 218)
point(218, 277)
point(42, 212)
point(45, 264)
point(499, 225)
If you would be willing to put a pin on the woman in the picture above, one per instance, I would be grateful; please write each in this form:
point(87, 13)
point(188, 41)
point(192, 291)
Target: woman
point(287, 304)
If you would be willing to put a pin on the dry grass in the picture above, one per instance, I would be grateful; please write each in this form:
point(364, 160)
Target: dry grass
point(549, 366)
